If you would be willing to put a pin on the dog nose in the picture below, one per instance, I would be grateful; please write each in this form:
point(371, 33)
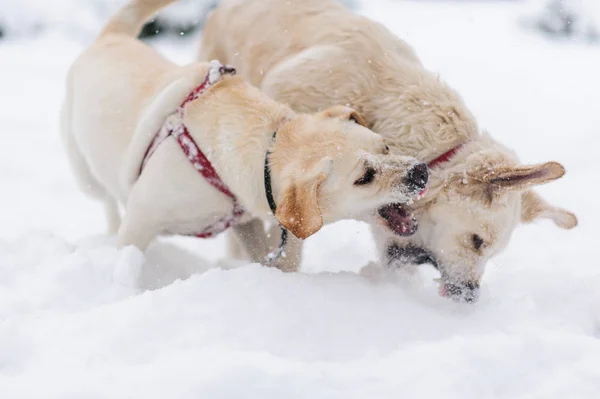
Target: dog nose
point(463, 292)
point(417, 177)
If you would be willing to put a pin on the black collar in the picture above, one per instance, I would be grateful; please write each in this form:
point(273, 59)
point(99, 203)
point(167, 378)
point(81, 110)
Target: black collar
point(280, 250)
point(268, 186)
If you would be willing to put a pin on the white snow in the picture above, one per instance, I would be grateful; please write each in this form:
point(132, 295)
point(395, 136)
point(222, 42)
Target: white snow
point(81, 319)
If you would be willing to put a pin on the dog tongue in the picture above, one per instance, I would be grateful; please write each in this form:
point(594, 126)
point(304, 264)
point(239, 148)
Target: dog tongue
point(399, 220)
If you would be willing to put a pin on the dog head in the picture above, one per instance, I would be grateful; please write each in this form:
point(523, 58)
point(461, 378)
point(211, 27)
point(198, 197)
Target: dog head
point(470, 213)
point(329, 166)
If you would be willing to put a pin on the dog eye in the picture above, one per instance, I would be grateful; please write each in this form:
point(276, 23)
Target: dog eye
point(386, 150)
point(367, 178)
point(477, 241)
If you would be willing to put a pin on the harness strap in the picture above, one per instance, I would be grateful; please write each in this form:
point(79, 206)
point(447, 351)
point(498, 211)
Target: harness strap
point(174, 126)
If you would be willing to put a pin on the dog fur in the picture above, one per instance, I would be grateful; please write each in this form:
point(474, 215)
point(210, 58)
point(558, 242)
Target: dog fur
point(119, 94)
point(311, 54)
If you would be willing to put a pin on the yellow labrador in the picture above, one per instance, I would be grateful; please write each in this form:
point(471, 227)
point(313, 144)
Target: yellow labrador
point(311, 54)
point(194, 150)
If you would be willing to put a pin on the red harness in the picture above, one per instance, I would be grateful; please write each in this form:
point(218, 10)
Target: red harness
point(445, 157)
point(174, 126)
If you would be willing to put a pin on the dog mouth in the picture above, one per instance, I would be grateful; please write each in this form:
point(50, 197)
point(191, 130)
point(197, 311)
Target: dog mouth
point(398, 219)
point(458, 291)
point(467, 292)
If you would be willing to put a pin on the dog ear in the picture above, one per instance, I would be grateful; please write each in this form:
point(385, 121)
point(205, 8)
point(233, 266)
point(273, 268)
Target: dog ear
point(534, 207)
point(524, 176)
point(298, 207)
point(340, 111)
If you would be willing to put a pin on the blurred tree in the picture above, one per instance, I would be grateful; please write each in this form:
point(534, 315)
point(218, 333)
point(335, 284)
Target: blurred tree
point(180, 19)
point(570, 18)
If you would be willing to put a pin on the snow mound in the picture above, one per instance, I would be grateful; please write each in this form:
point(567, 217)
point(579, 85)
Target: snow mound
point(77, 320)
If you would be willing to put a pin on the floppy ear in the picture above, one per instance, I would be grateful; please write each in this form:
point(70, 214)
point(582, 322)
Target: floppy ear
point(525, 176)
point(340, 111)
point(298, 207)
point(534, 207)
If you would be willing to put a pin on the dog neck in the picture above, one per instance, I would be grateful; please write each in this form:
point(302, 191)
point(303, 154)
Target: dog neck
point(418, 114)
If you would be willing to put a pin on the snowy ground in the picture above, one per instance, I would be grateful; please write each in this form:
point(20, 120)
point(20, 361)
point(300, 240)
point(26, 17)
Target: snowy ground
point(81, 319)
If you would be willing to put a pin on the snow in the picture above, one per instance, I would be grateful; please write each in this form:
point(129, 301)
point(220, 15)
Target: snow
point(82, 319)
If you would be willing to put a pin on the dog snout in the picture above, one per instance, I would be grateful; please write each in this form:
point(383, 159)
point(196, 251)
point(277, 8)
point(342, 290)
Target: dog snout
point(417, 176)
point(463, 292)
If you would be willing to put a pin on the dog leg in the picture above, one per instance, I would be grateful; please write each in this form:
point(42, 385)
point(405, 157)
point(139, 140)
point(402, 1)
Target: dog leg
point(293, 250)
point(293, 255)
point(86, 182)
point(251, 241)
point(136, 230)
point(251, 235)
point(113, 216)
point(141, 222)
point(235, 249)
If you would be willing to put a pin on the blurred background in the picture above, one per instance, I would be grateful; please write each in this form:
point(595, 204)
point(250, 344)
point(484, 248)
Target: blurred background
point(554, 19)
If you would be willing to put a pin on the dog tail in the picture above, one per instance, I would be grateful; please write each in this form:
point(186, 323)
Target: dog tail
point(130, 19)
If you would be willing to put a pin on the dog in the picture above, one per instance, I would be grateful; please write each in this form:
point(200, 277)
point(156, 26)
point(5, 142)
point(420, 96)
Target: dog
point(314, 53)
point(194, 150)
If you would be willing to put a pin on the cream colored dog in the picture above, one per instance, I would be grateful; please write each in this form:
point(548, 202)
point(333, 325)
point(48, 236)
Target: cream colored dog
point(195, 163)
point(311, 54)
